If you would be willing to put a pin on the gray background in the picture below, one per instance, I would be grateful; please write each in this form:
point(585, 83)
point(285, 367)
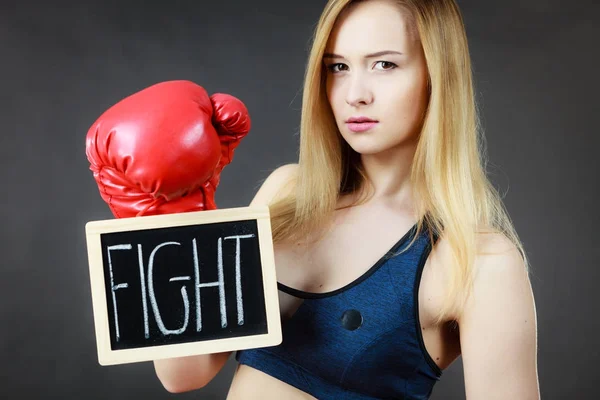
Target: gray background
point(64, 63)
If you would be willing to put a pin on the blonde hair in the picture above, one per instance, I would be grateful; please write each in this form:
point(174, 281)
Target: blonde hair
point(453, 196)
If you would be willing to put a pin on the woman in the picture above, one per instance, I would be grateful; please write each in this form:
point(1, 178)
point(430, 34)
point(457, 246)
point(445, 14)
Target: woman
point(394, 253)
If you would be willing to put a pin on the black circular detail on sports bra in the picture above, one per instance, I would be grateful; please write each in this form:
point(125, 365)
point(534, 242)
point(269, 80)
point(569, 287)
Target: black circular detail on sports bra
point(351, 319)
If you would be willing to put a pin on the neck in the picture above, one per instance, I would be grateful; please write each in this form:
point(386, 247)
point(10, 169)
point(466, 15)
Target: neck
point(389, 173)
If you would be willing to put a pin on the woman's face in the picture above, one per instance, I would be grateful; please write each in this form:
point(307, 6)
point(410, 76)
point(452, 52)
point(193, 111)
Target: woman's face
point(376, 77)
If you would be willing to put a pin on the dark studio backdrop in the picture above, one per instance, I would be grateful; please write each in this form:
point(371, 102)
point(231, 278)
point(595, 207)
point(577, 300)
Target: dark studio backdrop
point(63, 64)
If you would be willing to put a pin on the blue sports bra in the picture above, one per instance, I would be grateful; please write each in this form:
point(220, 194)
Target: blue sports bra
point(362, 341)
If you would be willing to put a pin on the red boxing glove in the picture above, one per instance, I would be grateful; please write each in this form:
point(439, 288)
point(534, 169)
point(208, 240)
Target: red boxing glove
point(162, 150)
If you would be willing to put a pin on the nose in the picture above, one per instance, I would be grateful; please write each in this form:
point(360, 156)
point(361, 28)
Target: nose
point(358, 93)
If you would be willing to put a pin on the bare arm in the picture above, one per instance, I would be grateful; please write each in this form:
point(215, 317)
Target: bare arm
point(498, 329)
point(184, 374)
point(189, 373)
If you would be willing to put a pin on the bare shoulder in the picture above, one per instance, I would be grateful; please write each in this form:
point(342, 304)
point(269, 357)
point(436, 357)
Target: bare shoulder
point(495, 253)
point(499, 263)
point(275, 184)
point(498, 327)
point(496, 257)
point(495, 243)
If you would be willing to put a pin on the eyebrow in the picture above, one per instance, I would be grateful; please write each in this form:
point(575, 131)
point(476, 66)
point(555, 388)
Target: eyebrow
point(372, 55)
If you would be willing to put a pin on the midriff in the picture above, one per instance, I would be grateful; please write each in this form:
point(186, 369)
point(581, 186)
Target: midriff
point(251, 384)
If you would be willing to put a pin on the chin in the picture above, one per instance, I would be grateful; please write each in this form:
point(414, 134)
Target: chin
point(369, 144)
point(368, 149)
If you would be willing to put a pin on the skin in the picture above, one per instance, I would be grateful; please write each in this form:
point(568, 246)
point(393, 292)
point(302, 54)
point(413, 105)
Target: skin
point(392, 89)
point(497, 329)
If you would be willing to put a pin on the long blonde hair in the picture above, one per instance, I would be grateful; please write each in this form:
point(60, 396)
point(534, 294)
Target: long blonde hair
point(452, 193)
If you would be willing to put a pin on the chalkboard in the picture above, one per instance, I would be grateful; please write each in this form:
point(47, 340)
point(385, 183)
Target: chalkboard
point(183, 284)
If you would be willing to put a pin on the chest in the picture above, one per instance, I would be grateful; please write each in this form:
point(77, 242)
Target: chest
point(350, 247)
point(363, 328)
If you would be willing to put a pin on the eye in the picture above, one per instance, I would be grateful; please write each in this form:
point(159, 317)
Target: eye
point(338, 67)
point(385, 65)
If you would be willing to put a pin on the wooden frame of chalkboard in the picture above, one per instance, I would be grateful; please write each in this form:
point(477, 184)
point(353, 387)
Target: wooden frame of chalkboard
point(183, 284)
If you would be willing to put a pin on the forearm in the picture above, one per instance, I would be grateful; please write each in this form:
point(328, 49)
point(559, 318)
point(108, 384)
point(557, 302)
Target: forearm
point(184, 374)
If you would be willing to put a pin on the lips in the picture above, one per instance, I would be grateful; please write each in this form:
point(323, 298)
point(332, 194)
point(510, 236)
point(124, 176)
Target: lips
point(360, 124)
point(360, 120)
